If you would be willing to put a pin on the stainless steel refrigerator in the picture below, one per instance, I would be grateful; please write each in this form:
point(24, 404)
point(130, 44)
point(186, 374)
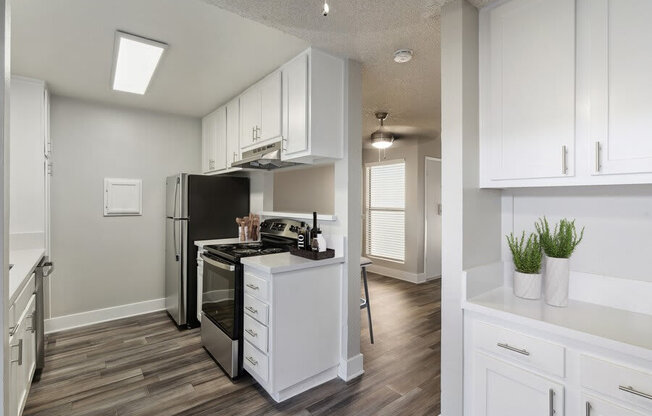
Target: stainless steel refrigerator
point(198, 208)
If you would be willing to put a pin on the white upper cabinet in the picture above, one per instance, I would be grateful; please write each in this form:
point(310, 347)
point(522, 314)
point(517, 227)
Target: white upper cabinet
point(214, 141)
point(260, 111)
point(621, 87)
point(270, 108)
point(528, 89)
point(565, 93)
point(232, 132)
point(313, 96)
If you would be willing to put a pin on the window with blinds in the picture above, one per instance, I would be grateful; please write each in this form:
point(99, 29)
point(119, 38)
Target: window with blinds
point(385, 206)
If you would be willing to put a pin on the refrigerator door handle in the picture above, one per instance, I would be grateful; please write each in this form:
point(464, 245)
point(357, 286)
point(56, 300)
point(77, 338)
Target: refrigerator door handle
point(174, 215)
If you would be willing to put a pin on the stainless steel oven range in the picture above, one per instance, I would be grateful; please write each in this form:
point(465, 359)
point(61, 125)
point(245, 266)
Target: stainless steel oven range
point(223, 290)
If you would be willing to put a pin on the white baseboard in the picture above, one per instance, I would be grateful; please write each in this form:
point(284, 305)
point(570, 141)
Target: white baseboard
point(351, 368)
point(77, 320)
point(397, 274)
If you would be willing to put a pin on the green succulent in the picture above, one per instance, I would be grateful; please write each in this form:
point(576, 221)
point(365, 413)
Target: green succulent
point(526, 254)
point(562, 241)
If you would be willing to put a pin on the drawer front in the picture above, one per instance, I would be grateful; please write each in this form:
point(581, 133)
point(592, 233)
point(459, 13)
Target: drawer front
point(617, 381)
point(256, 309)
point(255, 333)
point(535, 352)
point(256, 287)
point(255, 362)
point(23, 299)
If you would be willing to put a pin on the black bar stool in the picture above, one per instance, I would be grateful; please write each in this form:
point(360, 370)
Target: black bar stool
point(364, 302)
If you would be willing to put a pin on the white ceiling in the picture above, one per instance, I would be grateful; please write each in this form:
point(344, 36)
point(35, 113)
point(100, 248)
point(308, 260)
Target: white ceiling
point(370, 31)
point(216, 52)
point(212, 56)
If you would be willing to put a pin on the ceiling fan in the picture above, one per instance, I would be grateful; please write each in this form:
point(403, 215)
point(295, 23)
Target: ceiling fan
point(382, 138)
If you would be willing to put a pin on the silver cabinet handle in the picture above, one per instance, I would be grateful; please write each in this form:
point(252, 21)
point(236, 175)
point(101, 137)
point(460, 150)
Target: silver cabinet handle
point(597, 157)
point(632, 390)
point(12, 330)
point(551, 402)
point(20, 352)
point(258, 129)
point(564, 153)
point(250, 332)
point(30, 328)
point(235, 156)
point(254, 287)
point(250, 309)
point(509, 347)
point(253, 134)
point(588, 408)
point(252, 360)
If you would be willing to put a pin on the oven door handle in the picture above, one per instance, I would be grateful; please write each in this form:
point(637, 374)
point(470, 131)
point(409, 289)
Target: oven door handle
point(218, 264)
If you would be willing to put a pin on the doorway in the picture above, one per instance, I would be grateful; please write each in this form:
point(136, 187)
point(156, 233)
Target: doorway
point(433, 212)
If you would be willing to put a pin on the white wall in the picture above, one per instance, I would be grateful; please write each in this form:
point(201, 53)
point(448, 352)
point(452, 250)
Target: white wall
point(471, 216)
point(109, 261)
point(618, 220)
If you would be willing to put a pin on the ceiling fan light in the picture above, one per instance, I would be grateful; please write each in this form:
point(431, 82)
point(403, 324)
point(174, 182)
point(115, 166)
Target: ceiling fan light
point(382, 144)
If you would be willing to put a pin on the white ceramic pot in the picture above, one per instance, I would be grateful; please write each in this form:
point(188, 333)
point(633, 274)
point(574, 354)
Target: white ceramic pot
point(556, 281)
point(527, 286)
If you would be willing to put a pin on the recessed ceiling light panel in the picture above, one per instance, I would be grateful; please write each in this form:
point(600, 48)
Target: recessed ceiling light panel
point(402, 56)
point(134, 61)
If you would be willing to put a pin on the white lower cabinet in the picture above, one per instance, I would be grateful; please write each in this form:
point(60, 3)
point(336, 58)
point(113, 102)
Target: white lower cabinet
point(502, 389)
point(594, 406)
point(516, 372)
point(291, 328)
point(22, 358)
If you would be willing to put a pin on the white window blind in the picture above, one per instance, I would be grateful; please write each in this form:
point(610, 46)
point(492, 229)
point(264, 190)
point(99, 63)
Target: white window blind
point(385, 208)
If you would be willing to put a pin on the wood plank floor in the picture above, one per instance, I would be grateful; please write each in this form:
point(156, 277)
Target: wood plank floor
point(146, 366)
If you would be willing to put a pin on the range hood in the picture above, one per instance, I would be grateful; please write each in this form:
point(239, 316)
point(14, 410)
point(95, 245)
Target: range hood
point(266, 157)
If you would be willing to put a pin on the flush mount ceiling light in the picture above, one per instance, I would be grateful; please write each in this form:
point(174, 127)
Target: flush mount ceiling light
point(134, 61)
point(402, 56)
point(325, 9)
point(382, 138)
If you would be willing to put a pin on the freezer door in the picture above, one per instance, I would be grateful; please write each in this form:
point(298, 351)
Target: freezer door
point(175, 269)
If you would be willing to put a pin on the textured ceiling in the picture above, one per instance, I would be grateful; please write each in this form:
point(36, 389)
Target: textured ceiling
point(213, 54)
point(370, 31)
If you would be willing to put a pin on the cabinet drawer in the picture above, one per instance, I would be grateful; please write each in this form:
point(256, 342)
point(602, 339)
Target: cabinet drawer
point(22, 300)
point(256, 287)
point(255, 333)
point(535, 352)
point(617, 381)
point(255, 362)
point(256, 309)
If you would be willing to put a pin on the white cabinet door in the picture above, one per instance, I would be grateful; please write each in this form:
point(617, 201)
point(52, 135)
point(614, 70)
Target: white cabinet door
point(594, 406)
point(208, 143)
point(501, 389)
point(295, 82)
point(528, 92)
point(232, 132)
point(249, 116)
point(271, 98)
point(621, 87)
point(220, 139)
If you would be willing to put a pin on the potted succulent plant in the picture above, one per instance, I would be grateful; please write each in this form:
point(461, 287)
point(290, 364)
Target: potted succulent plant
point(527, 265)
point(558, 245)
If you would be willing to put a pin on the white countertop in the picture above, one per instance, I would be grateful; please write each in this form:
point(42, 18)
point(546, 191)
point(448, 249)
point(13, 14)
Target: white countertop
point(202, 243)
point(286, 262)
point(617, 328)
point(24, 261)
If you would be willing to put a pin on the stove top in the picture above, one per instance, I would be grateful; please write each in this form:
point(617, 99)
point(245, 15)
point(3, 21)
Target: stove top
point(235, 252)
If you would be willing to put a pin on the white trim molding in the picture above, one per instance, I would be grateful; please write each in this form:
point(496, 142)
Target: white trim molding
point(351, 368)
point(77, 320)
point(399, 274)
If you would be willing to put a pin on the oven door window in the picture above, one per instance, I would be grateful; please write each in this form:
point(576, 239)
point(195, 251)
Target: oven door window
point(220, 294)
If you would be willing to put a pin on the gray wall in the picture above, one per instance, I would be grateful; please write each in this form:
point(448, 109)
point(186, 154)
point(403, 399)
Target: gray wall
point(414, 152)
point(305, 190)
point(110, 261)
